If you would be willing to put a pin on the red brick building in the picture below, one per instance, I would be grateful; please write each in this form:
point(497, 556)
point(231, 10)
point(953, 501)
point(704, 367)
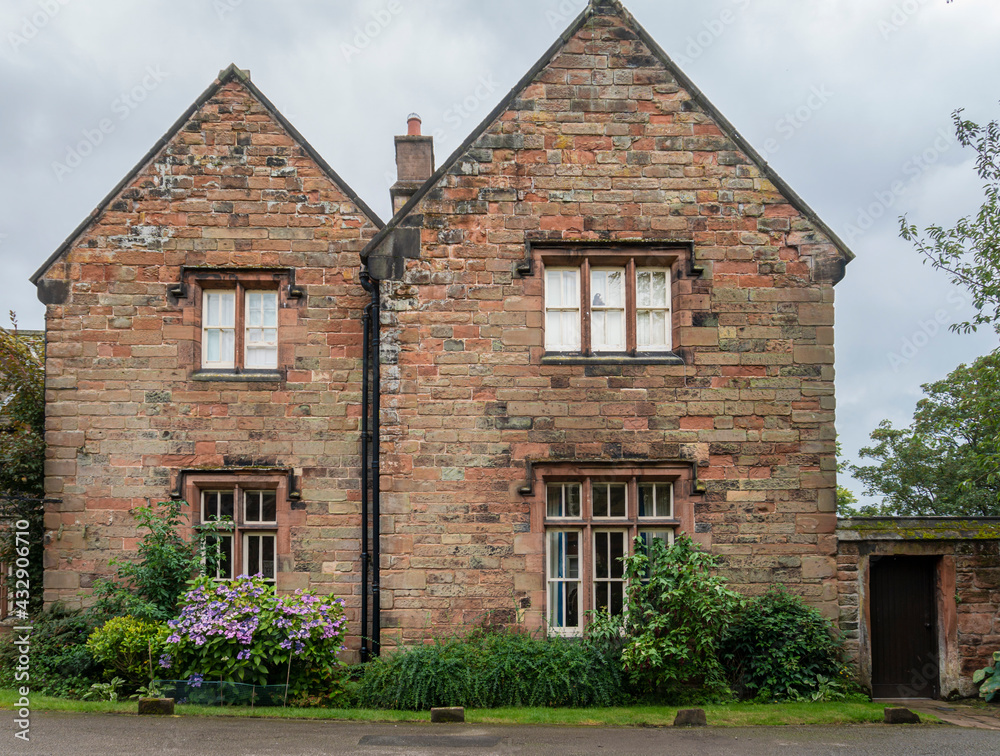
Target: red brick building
point(603, 317)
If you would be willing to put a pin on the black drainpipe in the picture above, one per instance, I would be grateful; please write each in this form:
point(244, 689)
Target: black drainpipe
point(374, 321)
point(365, 430)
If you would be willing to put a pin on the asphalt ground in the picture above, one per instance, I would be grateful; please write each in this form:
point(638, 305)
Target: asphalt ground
point(66, 734)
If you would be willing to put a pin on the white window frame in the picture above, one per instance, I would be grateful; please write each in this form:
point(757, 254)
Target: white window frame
point(563, 583)
point(564, 500)
point(248, 327)
point(260, 503)
point(656, 501)
point(609, 581)
point(665, 309)
point(225, 361)
point(608, 485)
point(563, 309)
point(246, 536)
point(218, 537)
point(611, 342)
point(241, 528)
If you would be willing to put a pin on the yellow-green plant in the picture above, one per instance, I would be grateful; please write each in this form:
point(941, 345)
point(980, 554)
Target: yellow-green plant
point(127, 646)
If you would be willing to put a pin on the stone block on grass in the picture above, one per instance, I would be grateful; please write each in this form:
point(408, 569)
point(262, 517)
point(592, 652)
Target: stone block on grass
point(899, 715)
point(449, 714)
point(163, 707)
point(691, 718)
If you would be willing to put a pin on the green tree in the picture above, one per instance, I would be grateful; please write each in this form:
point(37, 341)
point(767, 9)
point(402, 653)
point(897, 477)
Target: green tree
point(22, 451)
point(845, 497)
point(150, 586)
point(969, 252)
point(948, 461)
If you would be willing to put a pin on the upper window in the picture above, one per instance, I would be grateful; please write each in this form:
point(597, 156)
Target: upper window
point(608, 309)
point(239, 329)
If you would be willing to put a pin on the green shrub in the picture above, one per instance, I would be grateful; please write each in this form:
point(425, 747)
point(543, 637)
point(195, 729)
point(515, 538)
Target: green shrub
point(676, 613)
point(241, 631)
point(127, 646)
point(493, 670)
point(151, 586)
point(988, 679)
point(780, 648)
point(60, 664)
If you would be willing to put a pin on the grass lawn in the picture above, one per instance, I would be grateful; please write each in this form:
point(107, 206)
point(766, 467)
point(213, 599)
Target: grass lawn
point(728, 715)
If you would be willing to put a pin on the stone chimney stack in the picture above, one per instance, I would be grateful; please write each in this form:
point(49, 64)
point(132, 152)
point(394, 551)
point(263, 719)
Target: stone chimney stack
point(414, 163)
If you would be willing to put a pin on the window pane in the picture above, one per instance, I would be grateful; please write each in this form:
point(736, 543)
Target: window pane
point(553, 289)
point(209, 506)
point(269, 506)
point(617, 500)
point(213, 348)
point(601, 567)
point(646, 501)
point(643, 281)
point(643, 328)
point(617, 602)
point(270, 309)
point(616, 551)
point(228, 346)
point(253, 555)
point(563, 500)
point(268, 544)
point(573, 500)
point(600, 492)
point(228, 313)
point(554, 501)
point(659, 289)
point(225, 568)
point(570, 290)
point(251, 507)
point(226, 504)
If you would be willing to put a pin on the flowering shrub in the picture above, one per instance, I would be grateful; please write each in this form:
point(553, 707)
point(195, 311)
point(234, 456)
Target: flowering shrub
point(241, 631)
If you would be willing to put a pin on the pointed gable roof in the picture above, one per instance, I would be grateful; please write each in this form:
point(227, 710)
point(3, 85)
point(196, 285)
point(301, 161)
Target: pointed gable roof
point(604, 7)
point(227, 75)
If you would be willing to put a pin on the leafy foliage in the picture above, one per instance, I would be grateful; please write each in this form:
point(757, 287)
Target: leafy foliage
point(107, 691)
point(845, 497)
point(240, 631)
point(151, 586)
point(948, 461)
point(988, 680)
point(675, 618)
point(969, 252)
point(22, 451)
point(493, 670)
point(779, 648)
point(127, 646)
point(60, 665)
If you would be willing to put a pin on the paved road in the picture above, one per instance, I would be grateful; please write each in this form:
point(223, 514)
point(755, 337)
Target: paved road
point(57, 734)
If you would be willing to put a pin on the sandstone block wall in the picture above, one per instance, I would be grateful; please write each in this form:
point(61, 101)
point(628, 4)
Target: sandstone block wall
point(126, 410)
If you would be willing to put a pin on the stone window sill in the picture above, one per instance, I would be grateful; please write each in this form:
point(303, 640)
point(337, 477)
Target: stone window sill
point(231, 376)
point(661, 358)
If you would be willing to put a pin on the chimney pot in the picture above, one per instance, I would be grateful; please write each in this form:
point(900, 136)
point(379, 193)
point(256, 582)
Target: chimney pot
point(413, 125)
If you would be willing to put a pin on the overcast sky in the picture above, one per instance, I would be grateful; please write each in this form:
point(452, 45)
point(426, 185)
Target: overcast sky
point(850, 100)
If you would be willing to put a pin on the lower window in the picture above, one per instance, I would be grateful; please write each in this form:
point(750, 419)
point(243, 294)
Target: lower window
point(591, 526)
point(246, 543)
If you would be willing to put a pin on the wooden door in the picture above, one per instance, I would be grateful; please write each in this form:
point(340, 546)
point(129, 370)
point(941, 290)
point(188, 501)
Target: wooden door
point(904, 627)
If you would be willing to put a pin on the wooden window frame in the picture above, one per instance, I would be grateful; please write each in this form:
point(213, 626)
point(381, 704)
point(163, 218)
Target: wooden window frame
point(197, 485)
point(241, 291)
point(587, 524)
point(629, 260)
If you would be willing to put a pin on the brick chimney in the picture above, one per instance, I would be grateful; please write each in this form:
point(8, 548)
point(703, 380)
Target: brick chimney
point(414, 163)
